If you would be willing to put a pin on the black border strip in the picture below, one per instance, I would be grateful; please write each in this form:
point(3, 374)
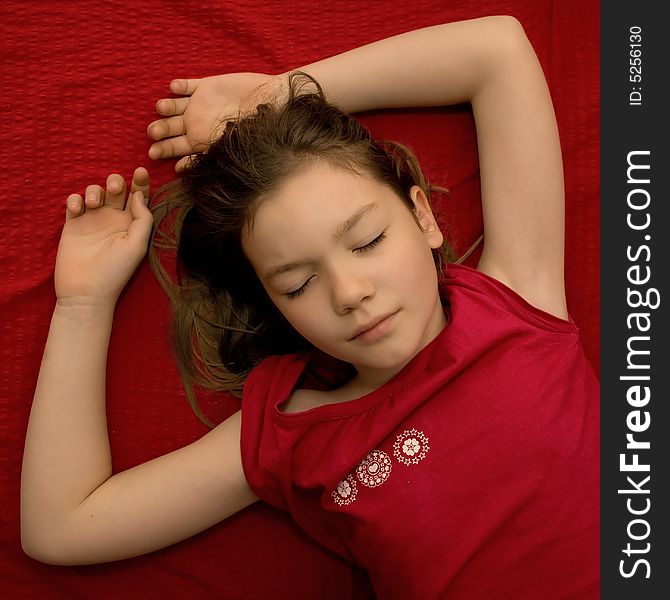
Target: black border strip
point(635, 265)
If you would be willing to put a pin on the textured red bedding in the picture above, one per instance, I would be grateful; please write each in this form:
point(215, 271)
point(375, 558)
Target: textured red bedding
point(80, 82)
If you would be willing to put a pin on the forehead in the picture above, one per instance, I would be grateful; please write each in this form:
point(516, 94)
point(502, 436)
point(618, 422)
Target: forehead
point(308, 206)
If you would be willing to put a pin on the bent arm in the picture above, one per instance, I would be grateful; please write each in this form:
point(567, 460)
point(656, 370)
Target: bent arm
point(66, 453)
point(72, 510)
point(434, 66)
point(490, 63)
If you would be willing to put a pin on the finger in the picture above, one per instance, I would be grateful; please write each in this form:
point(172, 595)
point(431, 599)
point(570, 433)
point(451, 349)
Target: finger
point(74, 205)
point(164, 128)
point(139, 229)
point(140, 183)
point(115, 196)
point(176, 146)
point(171, 106)
point(184, 163)
point(185, 87)
point(93, 197)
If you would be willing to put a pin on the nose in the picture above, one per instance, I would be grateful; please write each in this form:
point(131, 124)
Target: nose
point(350, 289)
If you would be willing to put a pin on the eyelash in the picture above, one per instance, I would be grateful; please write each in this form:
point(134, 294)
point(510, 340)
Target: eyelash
point(369, 246)
point(372, 244)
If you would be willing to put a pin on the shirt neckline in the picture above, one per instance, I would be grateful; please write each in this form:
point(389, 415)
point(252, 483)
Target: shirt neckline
point(325, 412)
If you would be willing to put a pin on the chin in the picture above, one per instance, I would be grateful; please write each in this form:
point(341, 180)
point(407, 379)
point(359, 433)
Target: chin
point(385, 358)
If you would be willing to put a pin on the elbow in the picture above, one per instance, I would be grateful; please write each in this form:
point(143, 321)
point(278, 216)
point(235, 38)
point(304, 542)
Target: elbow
point(508, 23)
point(509, 45)
point(511, 30)
point(45, 536)
point(44, 546)
point(37, 552)
point(37, 548)
point(34, 534)
point(503, 30)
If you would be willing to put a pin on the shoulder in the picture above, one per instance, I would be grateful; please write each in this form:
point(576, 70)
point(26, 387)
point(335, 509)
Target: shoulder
point(268, 383)
point(541, 289)
point(274, 366)
point(479, 296)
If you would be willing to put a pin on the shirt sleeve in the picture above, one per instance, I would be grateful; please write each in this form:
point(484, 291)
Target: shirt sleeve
point(259, 442)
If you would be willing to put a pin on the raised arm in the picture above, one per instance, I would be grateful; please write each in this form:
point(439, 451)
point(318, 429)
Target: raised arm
point(73, 511)
point(488, 62)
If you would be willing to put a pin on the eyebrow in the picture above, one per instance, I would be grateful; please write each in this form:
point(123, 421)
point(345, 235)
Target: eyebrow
point(342, 228)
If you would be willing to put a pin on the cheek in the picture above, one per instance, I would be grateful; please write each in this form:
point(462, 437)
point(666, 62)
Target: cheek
point(303, 316)
point(412, 257)
point(413, 273)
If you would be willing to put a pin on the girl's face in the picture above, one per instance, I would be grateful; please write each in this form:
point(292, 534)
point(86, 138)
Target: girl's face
point(344, 260)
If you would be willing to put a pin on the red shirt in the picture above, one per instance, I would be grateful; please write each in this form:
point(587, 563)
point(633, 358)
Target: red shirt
point(473, 473)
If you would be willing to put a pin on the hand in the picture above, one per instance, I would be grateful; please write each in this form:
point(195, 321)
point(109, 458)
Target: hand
point(196, 120)
point(103, 241)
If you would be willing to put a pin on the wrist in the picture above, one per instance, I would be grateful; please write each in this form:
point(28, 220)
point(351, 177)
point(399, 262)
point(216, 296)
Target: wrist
point(277, 90)
point(84, 308)
point(334, 88)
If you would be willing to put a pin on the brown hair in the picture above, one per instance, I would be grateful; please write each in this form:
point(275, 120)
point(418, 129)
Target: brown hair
point(223, 321)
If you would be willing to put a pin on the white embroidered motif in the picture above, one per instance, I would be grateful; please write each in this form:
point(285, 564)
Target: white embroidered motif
point(411, 447)
point(374, 469)
point(346, 491)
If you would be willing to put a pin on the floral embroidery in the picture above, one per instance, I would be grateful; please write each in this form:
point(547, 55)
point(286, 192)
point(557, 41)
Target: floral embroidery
point(346, 491)
point(374, 469)
point(411, 447)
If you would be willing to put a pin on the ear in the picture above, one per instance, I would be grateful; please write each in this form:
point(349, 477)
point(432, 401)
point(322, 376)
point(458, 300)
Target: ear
point(425, 218)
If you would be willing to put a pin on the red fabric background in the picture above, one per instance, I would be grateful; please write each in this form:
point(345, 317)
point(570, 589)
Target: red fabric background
point(80, 80)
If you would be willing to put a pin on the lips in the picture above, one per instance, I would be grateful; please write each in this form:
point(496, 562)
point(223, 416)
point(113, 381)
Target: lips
point(371, 325)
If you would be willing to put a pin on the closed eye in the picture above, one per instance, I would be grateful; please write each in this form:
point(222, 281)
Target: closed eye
point(299, 291)
point(369, 246)
point(372, 244)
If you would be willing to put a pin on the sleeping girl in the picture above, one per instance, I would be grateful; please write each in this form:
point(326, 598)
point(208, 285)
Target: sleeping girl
point(436, 424)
